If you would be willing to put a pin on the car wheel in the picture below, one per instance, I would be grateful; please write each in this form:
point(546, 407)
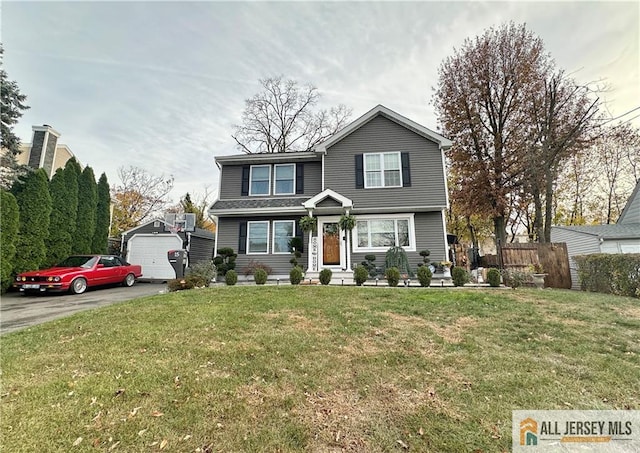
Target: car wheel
point(78, 286)
point(129, 280)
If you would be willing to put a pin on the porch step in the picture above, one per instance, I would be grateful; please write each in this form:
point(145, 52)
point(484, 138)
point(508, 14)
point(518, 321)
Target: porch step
point(337, 277)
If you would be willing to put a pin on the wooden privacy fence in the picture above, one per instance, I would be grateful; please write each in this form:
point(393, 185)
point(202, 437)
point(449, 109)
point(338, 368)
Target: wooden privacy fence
point(552, 256)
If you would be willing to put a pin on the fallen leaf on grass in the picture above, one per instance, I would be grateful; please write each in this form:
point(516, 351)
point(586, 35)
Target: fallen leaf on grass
point(156, 414)
point(134, 411)
point(163, 443)
point(403, 445)
point(119, 392)
point(114, 446)
point(421, 432)
point(142, 431)
point(77, 441)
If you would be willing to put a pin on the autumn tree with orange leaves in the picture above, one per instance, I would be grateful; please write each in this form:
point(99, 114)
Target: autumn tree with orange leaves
point(139, 196)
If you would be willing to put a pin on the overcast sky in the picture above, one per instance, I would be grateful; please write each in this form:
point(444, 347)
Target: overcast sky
point(160, 85)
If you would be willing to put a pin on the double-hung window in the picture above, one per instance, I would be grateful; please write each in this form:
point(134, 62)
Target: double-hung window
point(382, 170)
point(283, 231)
point(257, 237)
point(260, 180)
point(385, 232)
point(285, 179)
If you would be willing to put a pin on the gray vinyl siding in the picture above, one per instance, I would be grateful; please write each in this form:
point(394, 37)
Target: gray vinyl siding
point(383, 135)
point(231, 181)
point(201, 250)
point(429, 236)
point(577, 244)
point(228, 236)
point(631, 213)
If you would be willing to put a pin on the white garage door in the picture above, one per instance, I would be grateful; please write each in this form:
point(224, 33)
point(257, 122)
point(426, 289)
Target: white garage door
point(150, 251)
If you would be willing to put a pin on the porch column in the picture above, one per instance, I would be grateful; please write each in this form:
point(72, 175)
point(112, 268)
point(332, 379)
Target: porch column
point(348, 251)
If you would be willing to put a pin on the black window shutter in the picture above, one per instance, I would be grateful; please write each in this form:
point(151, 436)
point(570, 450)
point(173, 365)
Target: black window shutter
point(406, 170)
point(245, 180)
point(242, 238)
point(300, 235)
point(359, 171)
point(299, 179)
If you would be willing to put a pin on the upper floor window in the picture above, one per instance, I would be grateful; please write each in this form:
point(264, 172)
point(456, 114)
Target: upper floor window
point(382, 170)
point(260, 180)
point(285, 179)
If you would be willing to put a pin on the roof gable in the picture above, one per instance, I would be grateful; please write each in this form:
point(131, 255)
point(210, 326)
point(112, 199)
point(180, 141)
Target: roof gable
point(313, 202)
point(381, 110)
point(631, 211)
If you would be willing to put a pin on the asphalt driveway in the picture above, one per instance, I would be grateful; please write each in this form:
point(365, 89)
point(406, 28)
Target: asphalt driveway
point(18, 311)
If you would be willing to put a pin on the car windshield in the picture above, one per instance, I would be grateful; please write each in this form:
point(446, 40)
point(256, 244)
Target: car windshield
point(78, 261)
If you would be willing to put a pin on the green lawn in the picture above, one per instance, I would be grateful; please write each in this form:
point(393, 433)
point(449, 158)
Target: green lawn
point(315, 369)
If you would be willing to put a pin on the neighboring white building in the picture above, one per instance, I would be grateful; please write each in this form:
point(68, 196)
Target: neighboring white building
point(621, 237)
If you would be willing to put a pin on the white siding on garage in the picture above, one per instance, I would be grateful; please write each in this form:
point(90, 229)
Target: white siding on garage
point(150, 251)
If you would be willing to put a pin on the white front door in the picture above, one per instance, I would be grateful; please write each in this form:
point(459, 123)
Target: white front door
point(330, 244)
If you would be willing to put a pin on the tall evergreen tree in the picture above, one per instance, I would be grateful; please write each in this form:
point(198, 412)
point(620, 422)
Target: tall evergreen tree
point(34, 202)
point(9, 221)
point(11, 108)
point(87, 203)
point(60, 239)
point(103, 216)
point(72, 172)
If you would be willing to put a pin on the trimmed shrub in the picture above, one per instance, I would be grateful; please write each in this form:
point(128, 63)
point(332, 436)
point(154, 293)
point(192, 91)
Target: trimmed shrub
point(231, 277)
point(460, 276)
point(360, 274)
point(103, 215)
point(225, 261)
point(392, 275)
point(424, 275)
point(86, 220)
point(370, 265)
point(260, 276)
point(325, 276)
point(610, 273)
point(493, 277)
point(295, 276)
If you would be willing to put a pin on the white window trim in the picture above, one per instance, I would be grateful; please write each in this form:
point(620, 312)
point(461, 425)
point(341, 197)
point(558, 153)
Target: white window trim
point(275, 181)
point(381, 158)
point(251, 181)
point(249, 252)
point(412, 232)
point(273, 236)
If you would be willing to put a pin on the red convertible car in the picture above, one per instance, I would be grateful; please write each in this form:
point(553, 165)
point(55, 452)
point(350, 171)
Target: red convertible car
point(79, 272)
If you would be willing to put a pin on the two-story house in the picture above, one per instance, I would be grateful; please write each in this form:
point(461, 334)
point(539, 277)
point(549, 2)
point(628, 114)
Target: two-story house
point(384, 169)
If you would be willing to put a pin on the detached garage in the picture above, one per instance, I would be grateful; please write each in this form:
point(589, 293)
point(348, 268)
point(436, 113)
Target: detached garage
point(149, 244)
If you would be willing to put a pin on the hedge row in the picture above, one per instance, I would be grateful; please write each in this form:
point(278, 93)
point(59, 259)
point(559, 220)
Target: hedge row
point(610, 273)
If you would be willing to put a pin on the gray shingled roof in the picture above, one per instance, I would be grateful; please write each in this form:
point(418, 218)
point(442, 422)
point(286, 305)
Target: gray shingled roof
point(613, 231)
point(259, 203)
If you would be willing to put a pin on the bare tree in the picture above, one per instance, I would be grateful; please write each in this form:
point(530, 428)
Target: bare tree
point(563, 118)
point(481, 104)
point(139, 196)
point(282, 118)
point(616, 181)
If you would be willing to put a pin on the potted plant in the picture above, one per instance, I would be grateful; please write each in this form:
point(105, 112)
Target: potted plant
point(308, 223)
point(445, 268)
point(347, 222)
point(537, 274)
